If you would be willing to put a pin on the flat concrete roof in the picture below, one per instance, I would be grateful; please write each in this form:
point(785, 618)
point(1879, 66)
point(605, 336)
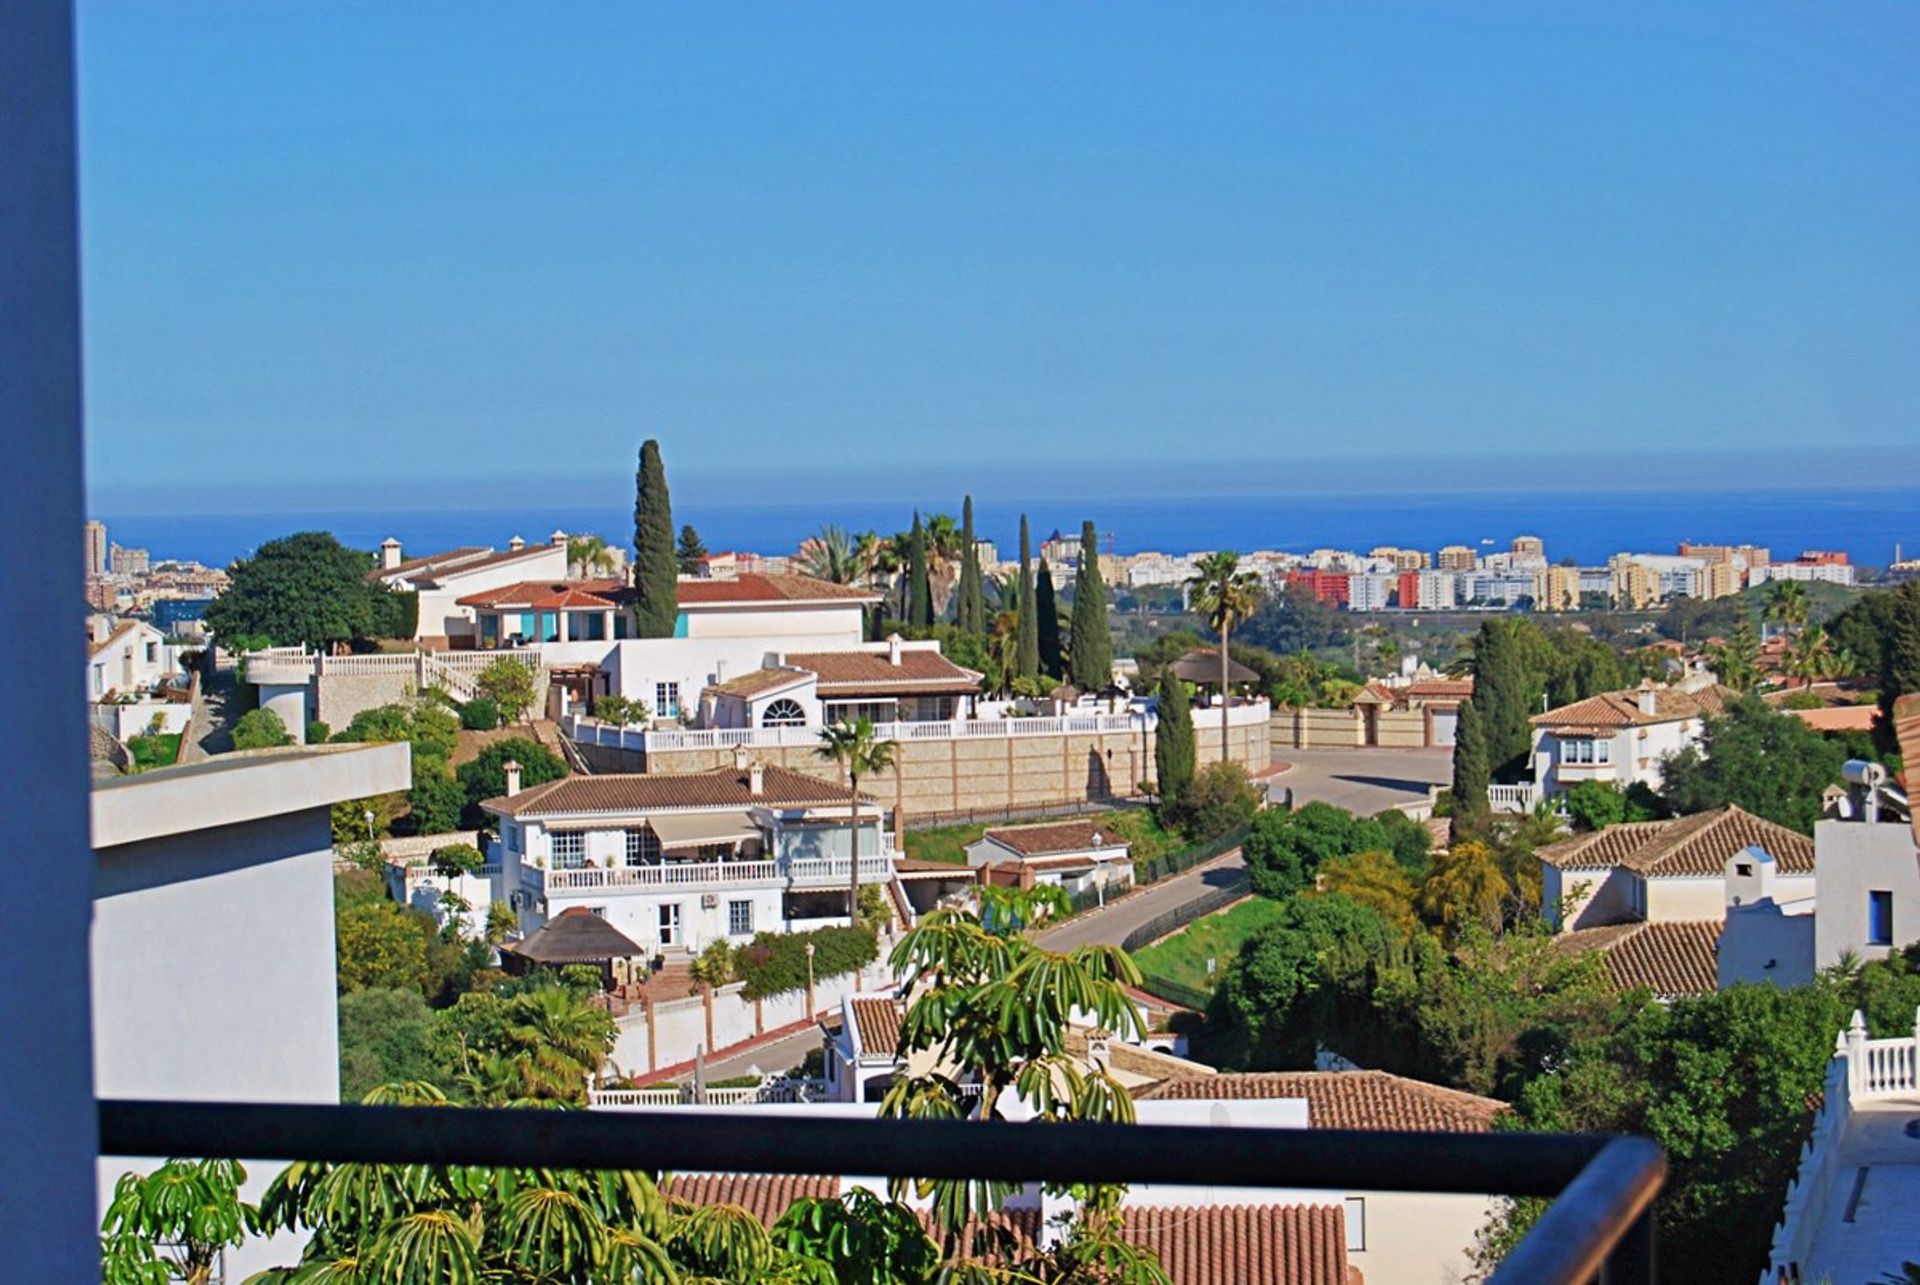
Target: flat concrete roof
point(249, 785)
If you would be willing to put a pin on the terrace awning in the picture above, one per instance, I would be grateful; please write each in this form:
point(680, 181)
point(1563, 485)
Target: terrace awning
point(692, 829)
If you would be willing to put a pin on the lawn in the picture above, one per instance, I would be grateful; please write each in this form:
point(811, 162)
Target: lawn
point(1136, 825)
point(1182, 958)
point(154, 751)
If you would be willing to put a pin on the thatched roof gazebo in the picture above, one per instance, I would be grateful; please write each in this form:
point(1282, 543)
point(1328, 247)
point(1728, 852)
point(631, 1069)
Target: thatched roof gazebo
point(574, 936)
point(1201, 667)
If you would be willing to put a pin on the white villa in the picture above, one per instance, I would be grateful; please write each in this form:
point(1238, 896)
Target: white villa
point(1074, 855)
point(442, 580)
point(677, 862)
point(126, 658)
point(1620, 738)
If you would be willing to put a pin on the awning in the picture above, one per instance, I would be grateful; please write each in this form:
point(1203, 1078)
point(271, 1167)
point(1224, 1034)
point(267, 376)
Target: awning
point(691, 829)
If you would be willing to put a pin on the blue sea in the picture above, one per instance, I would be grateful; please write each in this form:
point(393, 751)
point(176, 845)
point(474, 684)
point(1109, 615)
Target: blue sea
point(1867, 524)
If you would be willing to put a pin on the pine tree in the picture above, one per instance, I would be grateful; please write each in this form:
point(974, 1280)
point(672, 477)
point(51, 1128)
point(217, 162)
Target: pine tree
point(1173, 751)
point(1899, 668)
point(1027, 651)
point(1090, 644)
point(1046, 612)
point(970, 603)
point(656, 567)
point(919, 587)
point(692, 551)
point(1472, 772)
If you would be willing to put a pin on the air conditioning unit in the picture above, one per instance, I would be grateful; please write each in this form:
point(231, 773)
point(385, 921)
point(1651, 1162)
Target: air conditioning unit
point(709, 901)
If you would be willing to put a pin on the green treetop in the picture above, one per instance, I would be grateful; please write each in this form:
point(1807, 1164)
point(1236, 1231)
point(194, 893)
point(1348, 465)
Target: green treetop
point(1046, 612)
point(691, 552)
point(656, 565)
point(1173, 748)
point(1027, 653)
point(971, 606)
point(1090, 645)
point(919, 586)
point(1471, 773)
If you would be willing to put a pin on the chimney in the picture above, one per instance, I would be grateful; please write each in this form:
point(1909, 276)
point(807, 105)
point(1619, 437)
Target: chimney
point(1649, 698)
point(756, 780)
point(389, 554)
point(516, 544)
point(512, 769)
point(893, 649)
point(558, 539)
point(739, 758)
point(719, 672)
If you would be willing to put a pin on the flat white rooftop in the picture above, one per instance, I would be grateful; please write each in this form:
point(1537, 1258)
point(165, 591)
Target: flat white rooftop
point(1872, 1221)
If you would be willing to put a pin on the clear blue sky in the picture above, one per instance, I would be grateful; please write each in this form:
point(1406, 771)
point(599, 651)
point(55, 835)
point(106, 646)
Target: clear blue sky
point(332, 246)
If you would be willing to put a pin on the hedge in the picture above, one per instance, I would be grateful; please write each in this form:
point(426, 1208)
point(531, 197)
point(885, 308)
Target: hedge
point(775, 963)
point(1157, 868)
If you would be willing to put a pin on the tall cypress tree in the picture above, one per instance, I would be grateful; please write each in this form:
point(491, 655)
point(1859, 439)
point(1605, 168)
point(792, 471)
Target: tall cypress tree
point(1090, 645)
point(1173, 751)
point(656, 563)
point(1505, 690)
point(1027, 643)
point(1472, 772)
point(1046, 610)
point(970, 609)
point(919, 587)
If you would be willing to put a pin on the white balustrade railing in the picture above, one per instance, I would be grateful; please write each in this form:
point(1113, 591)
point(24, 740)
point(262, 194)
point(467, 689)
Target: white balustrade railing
point(679, 1095)
point(820, 871)
point(1512, 798)
point(452, 669)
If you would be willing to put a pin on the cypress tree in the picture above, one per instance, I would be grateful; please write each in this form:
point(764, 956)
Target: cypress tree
point(1504, 690)
point(1173, 752)
point(1027, 643)
point(919, 587)
point(1472, 771)
point(971, 605)
point(656, 564)
point(1046, 611)
point(1090, 645)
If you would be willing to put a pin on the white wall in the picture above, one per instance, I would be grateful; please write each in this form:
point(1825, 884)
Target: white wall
point(696, 662)
point(836, 627)
point(440, 614)
point(1850, 859)
point(1765, 941)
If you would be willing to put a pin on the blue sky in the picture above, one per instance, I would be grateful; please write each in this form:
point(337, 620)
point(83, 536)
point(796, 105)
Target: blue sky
point(339, 251)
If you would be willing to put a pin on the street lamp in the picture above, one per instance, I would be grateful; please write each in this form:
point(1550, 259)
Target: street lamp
point(367, 816)
point(809, 968)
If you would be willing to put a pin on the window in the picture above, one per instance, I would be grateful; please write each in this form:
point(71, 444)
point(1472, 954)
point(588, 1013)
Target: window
point(783, 713)
point(643, 846)
point(569, 851)
point(1356, 1224)
point(739, 919)
point(1744, 869)
point(1603, 751)
point(1880, 918)
point(597, 911)
point(666, 700)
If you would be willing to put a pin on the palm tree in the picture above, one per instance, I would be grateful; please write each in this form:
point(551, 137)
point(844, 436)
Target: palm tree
point(1225, 595)
point(1788, 604)
point(859, 753)
point(830, 556)
point(943, 559)
point(589, 553)
point(1464, 885)
point(1812, 655)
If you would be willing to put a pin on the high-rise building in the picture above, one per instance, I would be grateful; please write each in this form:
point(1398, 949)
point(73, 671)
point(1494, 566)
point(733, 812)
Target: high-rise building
point(1635, 585)
point(1458, 557)
point(1402, 559)
point(1557, 589)
point(130, 562)
point(96, 549)
point(1528, 546)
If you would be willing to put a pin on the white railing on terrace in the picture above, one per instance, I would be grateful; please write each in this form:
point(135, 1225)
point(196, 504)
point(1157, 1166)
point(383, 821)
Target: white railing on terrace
point(453, 670)
point(679, 1095)
point(819, 872)
point(1512, 798)
point(1862, 1070)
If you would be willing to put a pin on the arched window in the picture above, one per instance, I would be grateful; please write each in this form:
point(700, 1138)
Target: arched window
point(783, 713)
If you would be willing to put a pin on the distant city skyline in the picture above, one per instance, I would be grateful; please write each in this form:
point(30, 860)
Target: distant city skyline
point(462, 252)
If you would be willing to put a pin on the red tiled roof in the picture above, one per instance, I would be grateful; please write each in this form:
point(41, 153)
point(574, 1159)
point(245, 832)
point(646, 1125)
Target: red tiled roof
point(552, 595)
point(1611, 711)
point(441, 574)
point(764, 1195)
point(758, 682)
point(635, 792)
point(1056, 837)
point(452, 557)
point(754, 588)
point(1440, 689)
point(1685, 846)
point(1906, 732)
point(1669, 958)
point(1244, 1244)
point(853, 673)
point(1343, 1099)
point(1837, 718)
point(878, 1023)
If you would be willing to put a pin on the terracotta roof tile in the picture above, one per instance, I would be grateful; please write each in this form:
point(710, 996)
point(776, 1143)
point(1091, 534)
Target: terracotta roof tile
point(1906, 731)
point(452, 557)
point(443, 573)
point(635, 792)
point(878, 1023)
point(757, 682)
point(764, 1195)
point(1614, 710)
point(1244, 1244)
point(1344, 1099)
point(1669, 958)
point(552, 595)
point(753, 587)
point(1693, 845)
point(851, 673)
point(1056, 837)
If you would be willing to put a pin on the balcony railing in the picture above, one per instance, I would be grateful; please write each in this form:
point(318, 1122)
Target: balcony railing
point(804, 873)
point(1512, 798)
point(1599, 1224)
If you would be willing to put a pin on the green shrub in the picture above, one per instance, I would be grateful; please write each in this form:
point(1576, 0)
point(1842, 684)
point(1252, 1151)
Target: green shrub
point(1219, 801)
point(317, 734)
point(486, 776)
point(480, 714)
point(775, 963)
point(260, 729)
point(714, 966)
point(436, 800)
point(456, 859)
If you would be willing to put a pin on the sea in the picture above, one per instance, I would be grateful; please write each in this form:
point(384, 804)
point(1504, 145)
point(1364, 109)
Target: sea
point(1869, 525)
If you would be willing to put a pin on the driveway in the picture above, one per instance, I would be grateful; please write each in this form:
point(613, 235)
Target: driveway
point(1361, 781)
point(1109, 927)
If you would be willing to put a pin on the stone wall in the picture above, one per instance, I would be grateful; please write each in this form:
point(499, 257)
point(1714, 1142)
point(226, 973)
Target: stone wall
point(985, 773)
point(1300, 729)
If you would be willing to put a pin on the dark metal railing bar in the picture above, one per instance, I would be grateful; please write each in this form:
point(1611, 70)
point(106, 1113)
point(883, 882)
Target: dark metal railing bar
point(1601, 1225)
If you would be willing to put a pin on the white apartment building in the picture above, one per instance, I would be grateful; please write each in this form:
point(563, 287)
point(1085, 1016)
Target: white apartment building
point(1493, 587)
point(1842, 573)
point(677, 862)
point(1434, 591)
point(1371, 590)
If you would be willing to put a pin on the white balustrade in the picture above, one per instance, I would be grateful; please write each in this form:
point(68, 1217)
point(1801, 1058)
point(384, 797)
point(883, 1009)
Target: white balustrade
point(812, 871)
point(1511, 798)
point(679, 1095)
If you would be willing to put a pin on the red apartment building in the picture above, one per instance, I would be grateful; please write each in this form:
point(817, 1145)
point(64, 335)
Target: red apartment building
point(1330, 587)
